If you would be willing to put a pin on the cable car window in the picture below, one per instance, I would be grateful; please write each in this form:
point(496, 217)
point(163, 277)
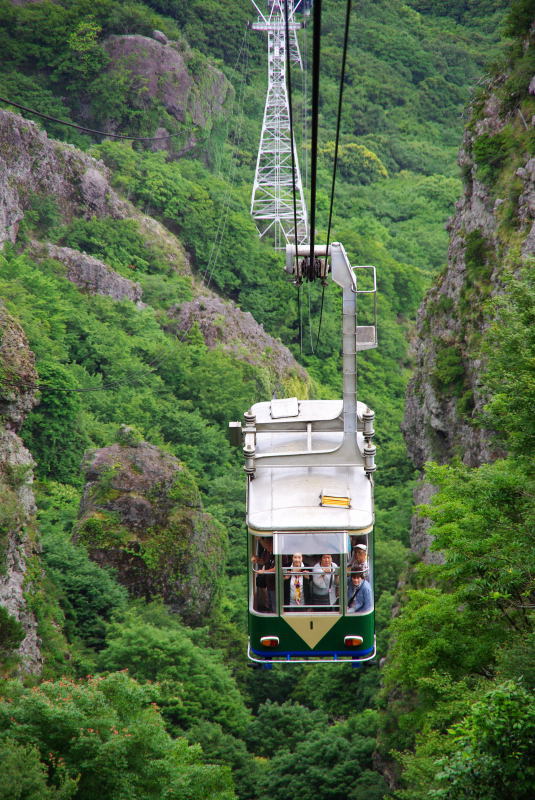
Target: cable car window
point(311, 542)
point(325, 584)
point(359, 579)
point(264, 575)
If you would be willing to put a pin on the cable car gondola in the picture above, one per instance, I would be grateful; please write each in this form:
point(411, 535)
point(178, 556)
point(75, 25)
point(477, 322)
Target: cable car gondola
point(310, 517)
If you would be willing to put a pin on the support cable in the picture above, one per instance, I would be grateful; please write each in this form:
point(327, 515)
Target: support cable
point(290, 114)
point(336, 145)
point(316, 40)
point(88, 130)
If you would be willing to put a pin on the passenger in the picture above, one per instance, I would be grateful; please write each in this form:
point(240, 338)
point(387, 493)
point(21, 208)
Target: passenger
point(265, 563)
point(359, 594)
point(324, 582)
point(296, 584)
point(359, 560)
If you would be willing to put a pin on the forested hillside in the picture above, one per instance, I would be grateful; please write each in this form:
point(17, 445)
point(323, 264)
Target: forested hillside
point(140, 313)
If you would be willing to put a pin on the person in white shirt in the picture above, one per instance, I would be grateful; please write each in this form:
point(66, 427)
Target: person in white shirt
point(325, 582)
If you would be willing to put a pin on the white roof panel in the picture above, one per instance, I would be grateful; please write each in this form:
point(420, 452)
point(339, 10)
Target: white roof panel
point(288, 498)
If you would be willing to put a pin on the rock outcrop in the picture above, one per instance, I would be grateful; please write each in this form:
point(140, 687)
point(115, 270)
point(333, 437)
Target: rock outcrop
point(17, 506)
point(93, 276)
point(141, 513)
point(161, 70)
point(32, 164)
point(444, 396)
point(493, 230)
point(225, 325)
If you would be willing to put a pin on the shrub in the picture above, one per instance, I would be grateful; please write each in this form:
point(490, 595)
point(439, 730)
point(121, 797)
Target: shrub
point(104, 737)
point(11, 633)
point(491, 152)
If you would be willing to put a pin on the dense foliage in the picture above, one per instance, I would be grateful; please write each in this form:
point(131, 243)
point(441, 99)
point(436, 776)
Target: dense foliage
point(460, 677)
point(172, 711)
point(102, 734)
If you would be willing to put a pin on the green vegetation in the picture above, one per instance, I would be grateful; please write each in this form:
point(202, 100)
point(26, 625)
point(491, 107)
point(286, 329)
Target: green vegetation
point(100, 734)
point(490, 154)
point(56, 50)
point(11, 633)
point(172, 712)
point(458, 685)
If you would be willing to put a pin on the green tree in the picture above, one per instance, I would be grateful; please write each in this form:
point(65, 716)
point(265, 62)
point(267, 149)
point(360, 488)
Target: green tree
point(195, 684)
point(11, 633)
point(510, 352)
point(331, 761)
point(356, 162)
point(53, 432)
point(24, 776)
point(89, 594)
point(104, 736)
point(493, 754)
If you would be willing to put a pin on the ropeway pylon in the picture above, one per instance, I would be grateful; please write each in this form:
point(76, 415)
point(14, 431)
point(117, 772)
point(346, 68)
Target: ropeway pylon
point(272, 202)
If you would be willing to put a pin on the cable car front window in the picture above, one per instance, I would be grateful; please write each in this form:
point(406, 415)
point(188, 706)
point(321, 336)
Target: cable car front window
point(311, 568)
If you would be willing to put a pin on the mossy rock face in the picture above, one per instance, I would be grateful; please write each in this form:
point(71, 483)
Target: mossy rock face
point(18, 376)
point(223, 325)
point(141, 513)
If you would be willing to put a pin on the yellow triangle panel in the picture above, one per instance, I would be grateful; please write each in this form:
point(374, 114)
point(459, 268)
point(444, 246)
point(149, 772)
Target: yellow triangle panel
point(311, 628)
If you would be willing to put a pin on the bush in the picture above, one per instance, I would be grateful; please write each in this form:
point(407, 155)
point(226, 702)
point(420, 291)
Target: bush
point(103, 737)
point(89, 594)
point(195, 684)
point(494, 749)
point(11, 633)
point(490, 154)
point(448, 374)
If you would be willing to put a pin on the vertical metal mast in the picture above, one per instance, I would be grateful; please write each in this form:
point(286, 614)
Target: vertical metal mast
point(272, 205)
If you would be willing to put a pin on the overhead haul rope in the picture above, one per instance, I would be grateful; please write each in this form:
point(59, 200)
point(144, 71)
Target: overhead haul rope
point(316, 41)
point(294, 198)
point(88, 130)
point(304, 55)
point(290, 111)
point(337, 141)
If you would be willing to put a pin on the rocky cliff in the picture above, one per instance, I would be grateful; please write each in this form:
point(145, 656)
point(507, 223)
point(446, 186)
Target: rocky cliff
point(17, 506)
point(34, 166)
point(224, 325)
point(491, 233)
point(164, 72)
point(142, 514)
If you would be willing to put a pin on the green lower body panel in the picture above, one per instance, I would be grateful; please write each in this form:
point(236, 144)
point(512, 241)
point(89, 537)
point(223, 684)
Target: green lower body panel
point(312, 636)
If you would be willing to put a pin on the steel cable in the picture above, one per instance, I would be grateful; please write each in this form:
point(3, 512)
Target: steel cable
point(336, 146)
point(88, 130)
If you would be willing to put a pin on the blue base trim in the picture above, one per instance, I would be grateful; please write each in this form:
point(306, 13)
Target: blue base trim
point(312, 653)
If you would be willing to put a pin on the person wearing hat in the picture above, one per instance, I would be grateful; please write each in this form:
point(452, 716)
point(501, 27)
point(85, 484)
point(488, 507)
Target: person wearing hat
point(359, 560)
point(359, 594)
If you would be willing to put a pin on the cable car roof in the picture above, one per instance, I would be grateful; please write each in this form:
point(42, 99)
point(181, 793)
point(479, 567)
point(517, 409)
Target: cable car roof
point(288, 498)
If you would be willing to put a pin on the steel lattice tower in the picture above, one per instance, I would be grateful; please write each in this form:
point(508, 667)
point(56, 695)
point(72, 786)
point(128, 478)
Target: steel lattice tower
point(272, 203)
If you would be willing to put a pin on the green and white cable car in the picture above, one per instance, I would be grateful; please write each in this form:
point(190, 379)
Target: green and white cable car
point(310, 517)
